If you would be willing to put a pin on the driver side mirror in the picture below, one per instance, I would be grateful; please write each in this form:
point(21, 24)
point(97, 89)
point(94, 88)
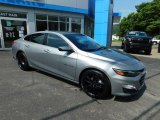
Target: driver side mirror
point(65, 48)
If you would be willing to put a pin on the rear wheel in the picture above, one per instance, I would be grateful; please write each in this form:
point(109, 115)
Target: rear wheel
point(22, 61)
point(95, 84)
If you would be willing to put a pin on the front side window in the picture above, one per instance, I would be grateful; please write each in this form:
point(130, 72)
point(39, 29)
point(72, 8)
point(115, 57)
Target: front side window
point(83, 42)
point(38, 38)
point(55, 41)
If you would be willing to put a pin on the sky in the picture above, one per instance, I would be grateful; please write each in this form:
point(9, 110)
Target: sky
point(126, 7)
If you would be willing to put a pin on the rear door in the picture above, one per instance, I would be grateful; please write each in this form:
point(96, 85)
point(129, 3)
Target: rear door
point(34, 49)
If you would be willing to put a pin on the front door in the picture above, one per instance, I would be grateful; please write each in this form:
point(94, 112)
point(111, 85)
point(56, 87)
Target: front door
point(60, 62)
point(12, 30)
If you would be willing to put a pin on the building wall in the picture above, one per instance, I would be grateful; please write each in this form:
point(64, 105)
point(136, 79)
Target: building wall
point(98, 11)
point(31, 12)
point(103, 21)
point(31, 18)
point(76, 6)
point(83, 4)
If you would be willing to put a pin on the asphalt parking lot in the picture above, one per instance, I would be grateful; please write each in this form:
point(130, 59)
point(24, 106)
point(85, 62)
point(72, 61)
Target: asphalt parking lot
point(35, 95)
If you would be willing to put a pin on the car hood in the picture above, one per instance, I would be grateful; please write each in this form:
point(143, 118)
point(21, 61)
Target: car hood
point(115, 55)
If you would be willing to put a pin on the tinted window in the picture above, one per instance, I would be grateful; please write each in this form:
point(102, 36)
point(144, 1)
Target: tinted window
point(27, 38)
point(138, 34)
point(55, 41)
point(83, 42)
point(38, 38)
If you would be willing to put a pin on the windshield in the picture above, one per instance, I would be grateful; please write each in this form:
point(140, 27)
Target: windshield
point(83, 42)
point(137, 34)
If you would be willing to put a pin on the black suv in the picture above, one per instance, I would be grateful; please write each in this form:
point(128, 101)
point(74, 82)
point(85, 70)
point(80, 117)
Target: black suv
point(137, 40)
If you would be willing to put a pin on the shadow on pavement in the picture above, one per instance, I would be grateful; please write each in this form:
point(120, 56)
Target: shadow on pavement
point(70, 82)
point(146, 112)
point(69, 110)
point(117, 47)
point(153, 76)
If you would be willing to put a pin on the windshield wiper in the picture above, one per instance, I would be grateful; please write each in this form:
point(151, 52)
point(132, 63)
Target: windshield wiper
point(102, 48)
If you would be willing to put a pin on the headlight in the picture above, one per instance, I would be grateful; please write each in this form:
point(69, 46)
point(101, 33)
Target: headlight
point(130, 39)
point(127, 73)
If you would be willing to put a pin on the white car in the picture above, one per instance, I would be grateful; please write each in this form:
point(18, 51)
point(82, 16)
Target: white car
point(155, 41)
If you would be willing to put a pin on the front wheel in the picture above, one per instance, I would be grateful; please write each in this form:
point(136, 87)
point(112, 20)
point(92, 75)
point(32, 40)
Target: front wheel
point(95, 84)
point(148, 52)
point(22, 61)
point(126, 48)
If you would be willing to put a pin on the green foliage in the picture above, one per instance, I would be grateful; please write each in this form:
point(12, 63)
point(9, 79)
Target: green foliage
point(147, 18)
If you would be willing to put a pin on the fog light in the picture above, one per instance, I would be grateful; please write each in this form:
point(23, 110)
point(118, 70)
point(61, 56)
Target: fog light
point(130, 87)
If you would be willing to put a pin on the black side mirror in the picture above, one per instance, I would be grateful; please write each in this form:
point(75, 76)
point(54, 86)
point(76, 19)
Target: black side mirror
point(65, 48)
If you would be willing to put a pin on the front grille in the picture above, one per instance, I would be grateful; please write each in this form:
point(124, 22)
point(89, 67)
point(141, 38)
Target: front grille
point(141, 70)
point(141, 81)
point(140, 40)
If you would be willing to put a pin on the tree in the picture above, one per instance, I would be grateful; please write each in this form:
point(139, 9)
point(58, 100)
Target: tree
point(147, 18)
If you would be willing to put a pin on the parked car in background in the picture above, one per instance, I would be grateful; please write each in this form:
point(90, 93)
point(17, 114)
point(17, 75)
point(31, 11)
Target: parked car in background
point(115, 37)
point(100, 71)
point(155, 41)
point(137, 41)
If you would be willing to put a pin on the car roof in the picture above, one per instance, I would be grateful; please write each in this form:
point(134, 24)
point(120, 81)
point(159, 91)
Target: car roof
point(60, 32)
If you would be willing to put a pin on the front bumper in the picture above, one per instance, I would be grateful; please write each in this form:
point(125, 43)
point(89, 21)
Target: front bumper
point(127, 86)
point(139, 46)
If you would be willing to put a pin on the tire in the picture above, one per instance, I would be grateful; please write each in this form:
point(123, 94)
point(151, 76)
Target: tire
point(148, 52)
point(95, 84)
point(158, 49)
point(22, 62)
point(126, 49)
point(122, 46)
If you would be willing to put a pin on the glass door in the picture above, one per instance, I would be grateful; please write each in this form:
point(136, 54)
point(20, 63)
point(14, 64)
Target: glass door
point(12, 30)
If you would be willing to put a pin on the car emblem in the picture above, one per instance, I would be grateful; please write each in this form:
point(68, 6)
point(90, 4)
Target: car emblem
point(140, 39)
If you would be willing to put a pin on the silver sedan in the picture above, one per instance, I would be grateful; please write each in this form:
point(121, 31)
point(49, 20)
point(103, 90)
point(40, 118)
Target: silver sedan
point(100, 71)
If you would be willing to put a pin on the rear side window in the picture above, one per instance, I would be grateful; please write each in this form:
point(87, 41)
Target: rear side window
point(55, 41)
point(38, 38)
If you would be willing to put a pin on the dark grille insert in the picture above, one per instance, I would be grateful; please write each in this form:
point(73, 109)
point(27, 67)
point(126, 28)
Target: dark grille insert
point(141, 81)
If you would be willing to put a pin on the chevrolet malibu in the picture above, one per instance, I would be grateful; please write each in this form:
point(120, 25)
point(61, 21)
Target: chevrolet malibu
point(99, 71)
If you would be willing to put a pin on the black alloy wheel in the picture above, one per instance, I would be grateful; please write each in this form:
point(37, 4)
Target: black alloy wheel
point(126, 48)
point(95, 84)
point(22, 62)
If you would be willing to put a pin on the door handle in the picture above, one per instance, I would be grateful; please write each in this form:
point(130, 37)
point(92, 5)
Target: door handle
point(27, 46)
point(46, 51)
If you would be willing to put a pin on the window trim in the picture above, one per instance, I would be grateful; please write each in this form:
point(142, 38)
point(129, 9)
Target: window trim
point(44, 40)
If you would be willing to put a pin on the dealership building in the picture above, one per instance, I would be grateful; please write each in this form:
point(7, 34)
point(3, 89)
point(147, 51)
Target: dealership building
point(20, 17)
